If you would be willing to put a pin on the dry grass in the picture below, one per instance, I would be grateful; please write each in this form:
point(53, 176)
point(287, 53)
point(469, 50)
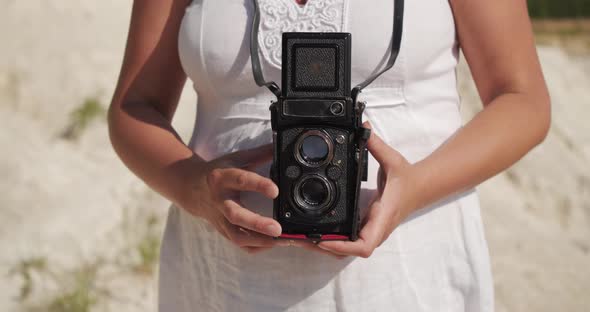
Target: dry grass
point(80, 118)
point(47, 286)
point(571, 34)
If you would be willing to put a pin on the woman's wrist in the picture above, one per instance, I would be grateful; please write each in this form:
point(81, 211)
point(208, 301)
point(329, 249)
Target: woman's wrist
point(415, 189)
point(193, 178)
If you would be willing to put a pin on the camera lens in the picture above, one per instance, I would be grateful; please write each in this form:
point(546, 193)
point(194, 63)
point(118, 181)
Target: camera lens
point(314, 194)
point(314, 148)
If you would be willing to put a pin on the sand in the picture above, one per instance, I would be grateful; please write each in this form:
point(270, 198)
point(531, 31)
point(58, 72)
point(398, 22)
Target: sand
point(71, 201)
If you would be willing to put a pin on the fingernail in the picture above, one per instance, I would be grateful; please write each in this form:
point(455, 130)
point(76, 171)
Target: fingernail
point(273, 230)
point(323, 247)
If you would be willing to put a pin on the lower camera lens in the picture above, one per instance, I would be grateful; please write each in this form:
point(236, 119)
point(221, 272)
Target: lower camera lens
point(314, 194)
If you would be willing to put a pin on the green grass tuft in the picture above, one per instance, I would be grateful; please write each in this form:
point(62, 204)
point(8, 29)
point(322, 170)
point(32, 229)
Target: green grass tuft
point(148, 246)
point(48, 287)
point(559, 8)
point(25, 269)
point(90, 110)
point(81, 295)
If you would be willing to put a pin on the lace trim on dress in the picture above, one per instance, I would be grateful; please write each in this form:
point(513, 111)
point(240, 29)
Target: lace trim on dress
point(278, 16)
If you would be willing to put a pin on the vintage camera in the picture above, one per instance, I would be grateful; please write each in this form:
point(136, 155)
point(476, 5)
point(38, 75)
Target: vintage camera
point(319, 158)
point(320, 155)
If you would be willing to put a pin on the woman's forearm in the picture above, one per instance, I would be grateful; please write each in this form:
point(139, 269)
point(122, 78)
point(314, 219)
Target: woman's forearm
point(497, 137)
point(150, 147)
point(146, 97)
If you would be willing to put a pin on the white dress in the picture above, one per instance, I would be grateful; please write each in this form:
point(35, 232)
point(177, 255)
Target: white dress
point(437, 260)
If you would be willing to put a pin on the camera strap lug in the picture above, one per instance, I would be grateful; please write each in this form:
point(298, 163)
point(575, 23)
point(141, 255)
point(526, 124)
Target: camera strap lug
point(273, 115)
point(359, 108)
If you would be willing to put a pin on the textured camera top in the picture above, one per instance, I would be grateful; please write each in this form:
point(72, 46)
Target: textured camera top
point(316, 64)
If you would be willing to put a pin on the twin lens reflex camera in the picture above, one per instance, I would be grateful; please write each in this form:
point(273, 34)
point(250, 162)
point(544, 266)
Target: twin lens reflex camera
point(320, 154)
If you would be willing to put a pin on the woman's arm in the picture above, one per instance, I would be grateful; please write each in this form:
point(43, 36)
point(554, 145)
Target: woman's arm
point(497, 41)
point(149, 87)
point(141, 133)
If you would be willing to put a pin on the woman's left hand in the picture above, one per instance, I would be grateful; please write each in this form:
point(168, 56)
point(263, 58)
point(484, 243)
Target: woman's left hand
point(394, 201)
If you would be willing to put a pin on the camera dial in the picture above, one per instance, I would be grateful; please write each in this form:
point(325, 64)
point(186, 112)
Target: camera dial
point(337, 108)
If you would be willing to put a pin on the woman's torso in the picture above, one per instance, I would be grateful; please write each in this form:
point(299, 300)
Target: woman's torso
point(428, 262)
point(214, 50)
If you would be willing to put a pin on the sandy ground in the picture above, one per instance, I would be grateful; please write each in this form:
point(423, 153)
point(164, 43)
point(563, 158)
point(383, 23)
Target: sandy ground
point(537, 214)
point(70, 201)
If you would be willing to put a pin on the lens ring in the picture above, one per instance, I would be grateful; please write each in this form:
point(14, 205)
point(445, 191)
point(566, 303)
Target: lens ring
point(299, 144)
point(304, 204)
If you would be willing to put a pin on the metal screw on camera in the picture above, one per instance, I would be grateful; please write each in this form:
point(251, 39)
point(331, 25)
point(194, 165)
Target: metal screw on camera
point(287, 214)
point(340, 139)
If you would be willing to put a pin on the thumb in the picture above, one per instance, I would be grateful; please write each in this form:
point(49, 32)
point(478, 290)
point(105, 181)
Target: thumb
point(381, 151)
point(251, 157)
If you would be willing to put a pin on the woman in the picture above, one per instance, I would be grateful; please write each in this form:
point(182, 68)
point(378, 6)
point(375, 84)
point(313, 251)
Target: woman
point(422, 245)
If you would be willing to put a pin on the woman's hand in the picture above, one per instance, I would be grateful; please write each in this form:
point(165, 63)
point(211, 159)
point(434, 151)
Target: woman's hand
point(391, 205)
point(215, 198)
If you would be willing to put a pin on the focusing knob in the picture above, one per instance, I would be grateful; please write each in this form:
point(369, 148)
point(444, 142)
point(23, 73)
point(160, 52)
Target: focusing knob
point(337, 108)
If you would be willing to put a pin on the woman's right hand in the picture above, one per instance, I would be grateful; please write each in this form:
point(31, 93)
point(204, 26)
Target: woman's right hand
point(215, 198)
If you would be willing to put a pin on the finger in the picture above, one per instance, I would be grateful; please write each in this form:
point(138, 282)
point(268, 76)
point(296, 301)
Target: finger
point(250, 157)
point(381, 180)
point(244, 218)
point(370, 236)
point(313, 247)
point(221, 229)
point(243, 238)
point(383, 153)
point(359, 248)
point(241, 180)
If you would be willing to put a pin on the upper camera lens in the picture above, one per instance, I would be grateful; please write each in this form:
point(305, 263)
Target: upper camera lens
point(314, 149)
point(314, 192)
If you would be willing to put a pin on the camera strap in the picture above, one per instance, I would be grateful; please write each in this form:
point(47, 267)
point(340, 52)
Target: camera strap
point(396, 39)
point(255, 59)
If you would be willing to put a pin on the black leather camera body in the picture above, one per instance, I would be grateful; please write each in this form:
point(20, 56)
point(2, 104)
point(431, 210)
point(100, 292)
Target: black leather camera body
point(320, 155)
point(318, 139)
